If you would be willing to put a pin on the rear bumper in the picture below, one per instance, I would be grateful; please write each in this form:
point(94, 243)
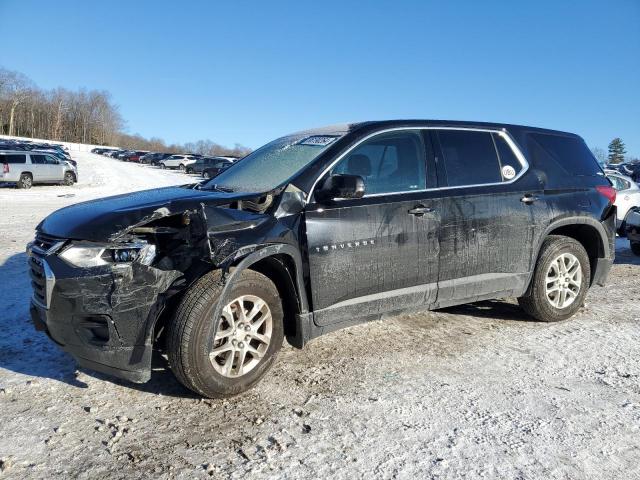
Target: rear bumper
point(602, 266)
point(601, 270)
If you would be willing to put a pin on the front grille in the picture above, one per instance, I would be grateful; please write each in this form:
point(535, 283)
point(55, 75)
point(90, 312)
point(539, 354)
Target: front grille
point(38, 279)
point(45, 242)
point(42, 278)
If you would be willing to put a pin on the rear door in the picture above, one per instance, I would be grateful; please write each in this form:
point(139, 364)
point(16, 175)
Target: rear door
point(487, 220)
point(379, 253)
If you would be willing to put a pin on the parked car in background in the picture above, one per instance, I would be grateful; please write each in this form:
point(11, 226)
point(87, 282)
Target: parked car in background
point(206, 162)
point(113, 153)
point(134, 156)
point(628, 196)
point(58, 155)
point(25, 168)
point(217, 168)
point(317, 231)
point(178, 161)
point(121, 155)
point(154, 158)
point(632, 169)
point(632, 229)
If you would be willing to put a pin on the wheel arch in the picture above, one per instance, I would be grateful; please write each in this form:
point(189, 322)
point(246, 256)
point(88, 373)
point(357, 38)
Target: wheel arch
point(587, 231)
point(281, 263)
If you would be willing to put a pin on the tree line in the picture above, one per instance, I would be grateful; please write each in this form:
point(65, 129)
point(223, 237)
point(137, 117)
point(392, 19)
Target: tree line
point(82, 116)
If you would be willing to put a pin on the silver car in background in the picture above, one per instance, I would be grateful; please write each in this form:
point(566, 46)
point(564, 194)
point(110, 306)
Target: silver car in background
point(24, 168)
point(627, 196)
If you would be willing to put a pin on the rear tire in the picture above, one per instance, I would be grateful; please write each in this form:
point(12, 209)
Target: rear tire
point(635, 248)
point(181, 167)
point(189, 170)
point(558, 287)
point(26, 181)
point(190, 330)
point(163, 166)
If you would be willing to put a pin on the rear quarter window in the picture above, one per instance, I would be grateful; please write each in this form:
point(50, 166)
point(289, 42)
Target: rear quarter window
point(570, 152)
point(13, 158)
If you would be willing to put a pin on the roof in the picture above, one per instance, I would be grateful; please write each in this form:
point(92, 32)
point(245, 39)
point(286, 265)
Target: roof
point(452, 123)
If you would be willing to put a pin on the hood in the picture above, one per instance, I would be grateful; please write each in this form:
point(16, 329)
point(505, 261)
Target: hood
point(98, 220)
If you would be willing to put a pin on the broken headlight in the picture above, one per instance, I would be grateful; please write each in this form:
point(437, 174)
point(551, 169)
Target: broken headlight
point(85, 255)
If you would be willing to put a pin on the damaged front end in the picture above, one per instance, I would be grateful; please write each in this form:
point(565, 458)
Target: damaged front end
point(99, 291)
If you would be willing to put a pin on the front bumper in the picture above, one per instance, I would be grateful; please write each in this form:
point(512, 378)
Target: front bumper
point(104, 316)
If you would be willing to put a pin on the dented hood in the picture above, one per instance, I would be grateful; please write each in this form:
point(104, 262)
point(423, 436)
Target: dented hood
point(101, 219)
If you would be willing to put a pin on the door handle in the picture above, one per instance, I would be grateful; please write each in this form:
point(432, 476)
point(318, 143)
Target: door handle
point(420, 210)
point(528, 199)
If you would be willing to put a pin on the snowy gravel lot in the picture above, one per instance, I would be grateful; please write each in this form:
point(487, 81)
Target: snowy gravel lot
point(467, 392)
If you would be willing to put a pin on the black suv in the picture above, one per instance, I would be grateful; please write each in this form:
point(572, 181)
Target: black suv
point(320, 230)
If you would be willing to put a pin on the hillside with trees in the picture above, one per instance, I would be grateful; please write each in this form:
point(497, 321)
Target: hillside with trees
point(82, 116)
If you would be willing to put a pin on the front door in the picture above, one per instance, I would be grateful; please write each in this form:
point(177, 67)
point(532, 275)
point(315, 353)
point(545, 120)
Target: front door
point(379, 253)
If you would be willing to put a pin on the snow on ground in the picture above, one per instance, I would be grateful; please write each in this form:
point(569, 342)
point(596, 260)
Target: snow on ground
point(475, 391)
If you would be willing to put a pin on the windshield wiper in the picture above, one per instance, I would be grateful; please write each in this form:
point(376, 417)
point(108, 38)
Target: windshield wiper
point(218, 188)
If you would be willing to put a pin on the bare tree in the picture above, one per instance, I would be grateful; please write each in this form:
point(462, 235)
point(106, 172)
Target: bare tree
point(83, 116)
point(16, 88)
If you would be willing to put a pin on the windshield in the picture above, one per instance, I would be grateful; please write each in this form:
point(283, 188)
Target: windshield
point(273, 164)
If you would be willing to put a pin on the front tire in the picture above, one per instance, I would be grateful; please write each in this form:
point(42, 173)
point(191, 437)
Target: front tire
point(69, 179)
point(26, 181)
point(249, 335)
point(181, 167)
point(560, 281)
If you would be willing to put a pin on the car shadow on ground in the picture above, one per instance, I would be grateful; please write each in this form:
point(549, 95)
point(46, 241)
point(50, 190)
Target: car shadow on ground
point(23, 349)
point(494, 309)
point(162, 381)
point(624, 255)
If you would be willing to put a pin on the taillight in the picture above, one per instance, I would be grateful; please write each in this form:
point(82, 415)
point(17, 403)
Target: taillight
point(608, 192)
point(5, 168)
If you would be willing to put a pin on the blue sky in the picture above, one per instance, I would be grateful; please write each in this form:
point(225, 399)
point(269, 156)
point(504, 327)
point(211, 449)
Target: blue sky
point(249, 71)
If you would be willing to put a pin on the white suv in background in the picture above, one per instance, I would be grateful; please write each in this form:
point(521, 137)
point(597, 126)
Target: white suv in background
point(628, 196)
point(177, 161)
point(26, 168)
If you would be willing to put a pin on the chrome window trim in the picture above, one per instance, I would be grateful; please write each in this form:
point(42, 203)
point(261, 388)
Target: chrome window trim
point(502, 132)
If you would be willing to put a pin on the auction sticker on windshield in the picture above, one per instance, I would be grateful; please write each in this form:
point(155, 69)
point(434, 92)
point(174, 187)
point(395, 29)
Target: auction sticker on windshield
point(318, 140)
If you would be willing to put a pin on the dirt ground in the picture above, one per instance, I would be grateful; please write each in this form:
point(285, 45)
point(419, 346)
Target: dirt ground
point(468, 392)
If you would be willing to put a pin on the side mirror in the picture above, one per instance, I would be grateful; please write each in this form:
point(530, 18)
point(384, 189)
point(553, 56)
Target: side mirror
point(341, 186)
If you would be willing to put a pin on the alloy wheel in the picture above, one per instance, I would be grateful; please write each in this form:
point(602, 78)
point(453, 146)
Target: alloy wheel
point(243, 336)
point(563, 281)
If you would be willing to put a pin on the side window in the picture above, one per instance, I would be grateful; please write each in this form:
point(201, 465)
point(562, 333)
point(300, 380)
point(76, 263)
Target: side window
point(469, 157)
point(51, 160)
point(38, 159)
point(569, 151)
point(506, 158)
point(13, 158)
point(388, 163)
